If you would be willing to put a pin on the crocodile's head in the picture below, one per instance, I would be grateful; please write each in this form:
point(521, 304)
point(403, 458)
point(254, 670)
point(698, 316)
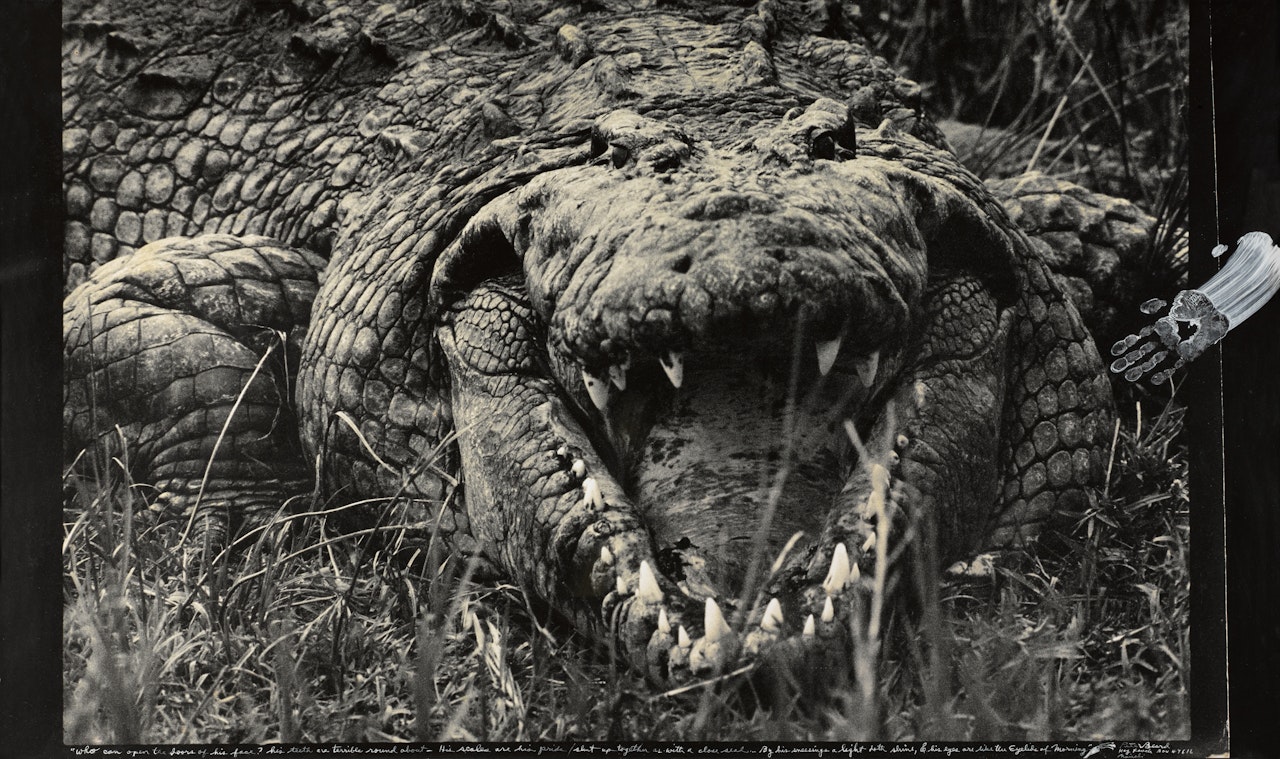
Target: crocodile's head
point(676, 325)
point(791, 329)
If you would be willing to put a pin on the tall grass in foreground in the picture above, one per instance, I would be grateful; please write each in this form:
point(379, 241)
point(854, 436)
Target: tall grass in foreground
point(1092, 89)
point(306, 633)
point(309, 635)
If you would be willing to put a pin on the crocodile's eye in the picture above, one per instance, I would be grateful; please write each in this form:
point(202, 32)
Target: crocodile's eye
point(619, 156)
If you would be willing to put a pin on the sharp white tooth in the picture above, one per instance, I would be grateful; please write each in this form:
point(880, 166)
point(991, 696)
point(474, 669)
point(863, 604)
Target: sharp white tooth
point(809, 626)
point(673, 365)
point(682, 638)
point(839, 572)
point(562, 451)
point(828, 610)
point(597, 389)
point(591, 492)
point(579, 467)
point(854, 573)
point(618, 375)
point(663, 624)
point(606, 555)
point(622, 586)
point(648, 591)
point(713, 622)
point(772, 620)
point(902, 441)
point(827, 352)
point(866, 366)
point(870, 542)
point(894, 458)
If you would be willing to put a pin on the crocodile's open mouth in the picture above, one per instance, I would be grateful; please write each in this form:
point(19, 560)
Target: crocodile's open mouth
point(726, 406)
point(721, 367)
point(733, 454)
point(749, 449)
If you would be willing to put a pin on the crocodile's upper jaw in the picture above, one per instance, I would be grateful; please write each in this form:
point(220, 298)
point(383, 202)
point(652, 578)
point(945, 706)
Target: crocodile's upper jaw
point(734, 353)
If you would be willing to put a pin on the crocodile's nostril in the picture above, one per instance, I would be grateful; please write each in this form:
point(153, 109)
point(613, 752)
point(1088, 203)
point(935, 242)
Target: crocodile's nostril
point(682, 265)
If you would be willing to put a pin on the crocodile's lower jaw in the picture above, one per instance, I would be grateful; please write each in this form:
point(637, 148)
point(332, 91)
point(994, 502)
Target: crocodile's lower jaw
point(750, 450)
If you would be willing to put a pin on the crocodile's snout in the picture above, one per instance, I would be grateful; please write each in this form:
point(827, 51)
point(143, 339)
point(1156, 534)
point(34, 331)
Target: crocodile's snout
point(666, 243)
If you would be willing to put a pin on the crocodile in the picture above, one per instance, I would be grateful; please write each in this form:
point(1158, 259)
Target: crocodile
point(682, 315)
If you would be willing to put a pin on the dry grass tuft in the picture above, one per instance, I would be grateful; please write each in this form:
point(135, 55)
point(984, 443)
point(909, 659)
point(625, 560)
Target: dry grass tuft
point(319, 637)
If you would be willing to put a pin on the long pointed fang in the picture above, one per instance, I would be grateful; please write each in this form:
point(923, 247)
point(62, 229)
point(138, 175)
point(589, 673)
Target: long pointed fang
point(828, 610)
point(809, 626)
point(673, 365)
point(597, 389)
point(591, 492)
point(618, 375)
point(870, 542)
point(867, 366)
point(854, 573)
point(663, 625)
point(772, 620)
point(682, 638)
point(622, 586)
point(839, 572)
point(648, 592)
point(606, 555)
point(827, 352)
point(714, 623)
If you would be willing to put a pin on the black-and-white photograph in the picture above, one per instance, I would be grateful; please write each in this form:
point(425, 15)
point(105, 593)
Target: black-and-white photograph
point(649, 373)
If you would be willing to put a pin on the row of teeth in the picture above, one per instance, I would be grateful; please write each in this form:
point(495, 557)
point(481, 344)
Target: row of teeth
point(673, 365)
point(715, 628)
point(841, 573)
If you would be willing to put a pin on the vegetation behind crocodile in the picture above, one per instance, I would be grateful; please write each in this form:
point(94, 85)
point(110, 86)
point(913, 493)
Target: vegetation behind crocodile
point(685, 281)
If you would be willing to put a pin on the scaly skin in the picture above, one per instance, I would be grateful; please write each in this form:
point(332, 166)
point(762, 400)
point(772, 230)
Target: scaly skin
point(512, 203)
